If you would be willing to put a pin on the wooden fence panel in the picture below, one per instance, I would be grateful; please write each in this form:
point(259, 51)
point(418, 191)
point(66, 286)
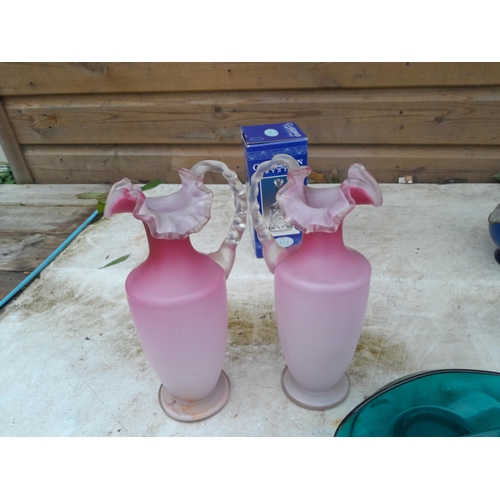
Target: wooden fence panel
point(107, 164)
point(91, 78)
point(100, 122)
point(462, 116)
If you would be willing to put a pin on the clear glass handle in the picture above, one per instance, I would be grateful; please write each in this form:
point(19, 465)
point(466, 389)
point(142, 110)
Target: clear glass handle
point(226, 254)
point(273, 253)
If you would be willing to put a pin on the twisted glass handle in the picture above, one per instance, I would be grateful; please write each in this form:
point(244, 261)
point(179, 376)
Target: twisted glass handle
point(273, 253)
point(226, 253)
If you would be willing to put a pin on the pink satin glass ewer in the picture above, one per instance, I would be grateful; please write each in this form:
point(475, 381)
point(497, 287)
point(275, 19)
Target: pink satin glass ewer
point(321, 286)
point(177, 296)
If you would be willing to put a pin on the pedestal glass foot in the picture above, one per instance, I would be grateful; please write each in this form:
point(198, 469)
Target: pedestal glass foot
point(195, 411)
point(314, 400)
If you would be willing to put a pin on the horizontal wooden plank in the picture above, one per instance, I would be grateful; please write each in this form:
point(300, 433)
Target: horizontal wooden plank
point(46, 195)
point(108, 164)
point(465, 116)
point(105, 164)
point(74, 78)
point(26, 251)
point(8, 281)
point(425, 164)
point(42, 220)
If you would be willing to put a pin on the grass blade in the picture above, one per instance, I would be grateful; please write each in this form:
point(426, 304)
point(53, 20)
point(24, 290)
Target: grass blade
point(117, 261)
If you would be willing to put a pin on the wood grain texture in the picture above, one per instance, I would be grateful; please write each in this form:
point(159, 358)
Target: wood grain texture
point(30, 230)
point(42, 220)
point(426, 164)
point(8, 281)
point(106, 164)
point(13, 153)
point(25, 251)
point(91, 78)
point(465, 116)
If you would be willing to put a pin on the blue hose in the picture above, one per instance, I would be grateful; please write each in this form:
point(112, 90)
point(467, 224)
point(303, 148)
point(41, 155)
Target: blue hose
point(49, 259)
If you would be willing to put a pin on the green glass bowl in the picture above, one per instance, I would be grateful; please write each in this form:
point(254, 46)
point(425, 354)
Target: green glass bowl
point(438, 403)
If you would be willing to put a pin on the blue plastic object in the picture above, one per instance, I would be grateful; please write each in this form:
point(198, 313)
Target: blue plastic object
point(494, 227)
point(495, 236)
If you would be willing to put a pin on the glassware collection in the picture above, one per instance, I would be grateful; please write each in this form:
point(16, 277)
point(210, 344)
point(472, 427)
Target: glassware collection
point(173, 292)
point(178, 300)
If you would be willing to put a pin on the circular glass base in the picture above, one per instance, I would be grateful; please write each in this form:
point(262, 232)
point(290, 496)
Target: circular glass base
point(497, 255)
point(196, 410)
point(421, 421)
point(314, 400)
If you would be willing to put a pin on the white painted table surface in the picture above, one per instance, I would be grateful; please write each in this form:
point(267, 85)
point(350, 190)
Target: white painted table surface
point(72, 365)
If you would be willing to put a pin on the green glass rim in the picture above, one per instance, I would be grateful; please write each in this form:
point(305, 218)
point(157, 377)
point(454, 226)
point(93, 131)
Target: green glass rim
point(403, 380)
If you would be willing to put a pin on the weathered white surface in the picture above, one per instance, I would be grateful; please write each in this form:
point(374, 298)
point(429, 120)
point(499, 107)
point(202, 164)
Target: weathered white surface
point(71, 364)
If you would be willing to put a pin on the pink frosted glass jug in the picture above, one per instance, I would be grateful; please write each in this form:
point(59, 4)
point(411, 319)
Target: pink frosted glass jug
point(177, 296)
point(320, 286)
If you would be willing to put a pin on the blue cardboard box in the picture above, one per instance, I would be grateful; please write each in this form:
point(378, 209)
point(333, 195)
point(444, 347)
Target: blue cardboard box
point(260, 144)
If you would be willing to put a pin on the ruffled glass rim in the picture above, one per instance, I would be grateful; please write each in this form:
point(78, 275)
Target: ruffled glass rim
point(173, 216)
point(324, 209)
